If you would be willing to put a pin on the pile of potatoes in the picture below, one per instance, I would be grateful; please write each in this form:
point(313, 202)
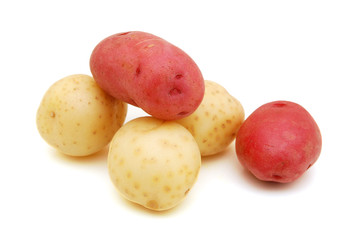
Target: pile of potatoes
point(153, 161)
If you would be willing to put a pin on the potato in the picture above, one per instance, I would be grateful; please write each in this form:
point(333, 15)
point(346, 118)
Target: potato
point(278, 142)
point(153, 163)
point(77, 117)
point(216, 121)
point(149, 72)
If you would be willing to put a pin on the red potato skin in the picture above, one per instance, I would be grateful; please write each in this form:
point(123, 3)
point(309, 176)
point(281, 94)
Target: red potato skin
point(278, 142)
point(149, 72)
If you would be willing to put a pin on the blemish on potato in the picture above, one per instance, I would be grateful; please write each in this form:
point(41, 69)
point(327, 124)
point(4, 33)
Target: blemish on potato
point(170, 174)
point(276, 177)
point(138, 70)
point(156, 179)
point(121, 161)
point(167, 188)
point(222, 111)
point(187, 191)
point(174, 92)
point(153, 204)
point(52, 114)
point(178, 76)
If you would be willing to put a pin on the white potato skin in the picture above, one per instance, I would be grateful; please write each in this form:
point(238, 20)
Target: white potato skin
point(216, 121)
point(77, 117)
point(153, 162)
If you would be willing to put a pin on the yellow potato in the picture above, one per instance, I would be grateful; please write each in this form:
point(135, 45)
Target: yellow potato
point(77, 117)
point(216, 121)
point(153, 162)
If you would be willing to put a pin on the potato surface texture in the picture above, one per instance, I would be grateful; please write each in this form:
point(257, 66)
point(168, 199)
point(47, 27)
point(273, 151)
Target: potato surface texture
point(149, 72)
point(153, 162)
point(278, 142)
point(77, 117)
point(216, 121)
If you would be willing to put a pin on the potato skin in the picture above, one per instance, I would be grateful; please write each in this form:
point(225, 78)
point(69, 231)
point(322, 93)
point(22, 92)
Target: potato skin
point(216, 121)
point(153, 163)
point(147, 71)
point(278, 142)
point(77, 117)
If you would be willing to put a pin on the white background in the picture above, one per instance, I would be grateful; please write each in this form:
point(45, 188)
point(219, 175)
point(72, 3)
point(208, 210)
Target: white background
point(260, 51)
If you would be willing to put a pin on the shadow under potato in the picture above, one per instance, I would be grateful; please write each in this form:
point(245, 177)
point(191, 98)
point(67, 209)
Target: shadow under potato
point(275, 186)
point(100, 156)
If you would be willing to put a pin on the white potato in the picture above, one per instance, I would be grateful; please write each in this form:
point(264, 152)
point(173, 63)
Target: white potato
point(77, 117)
point(216, 121)
point(153, 162)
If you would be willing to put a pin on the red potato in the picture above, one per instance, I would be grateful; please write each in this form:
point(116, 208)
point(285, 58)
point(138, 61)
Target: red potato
point(149, 72)
point(278, 142)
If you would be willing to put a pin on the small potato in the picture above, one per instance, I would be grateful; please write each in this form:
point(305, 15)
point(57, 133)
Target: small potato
point(77, 117)
point(153, 162)
point(216, 121)
point(278, 142)
point(149, 72)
